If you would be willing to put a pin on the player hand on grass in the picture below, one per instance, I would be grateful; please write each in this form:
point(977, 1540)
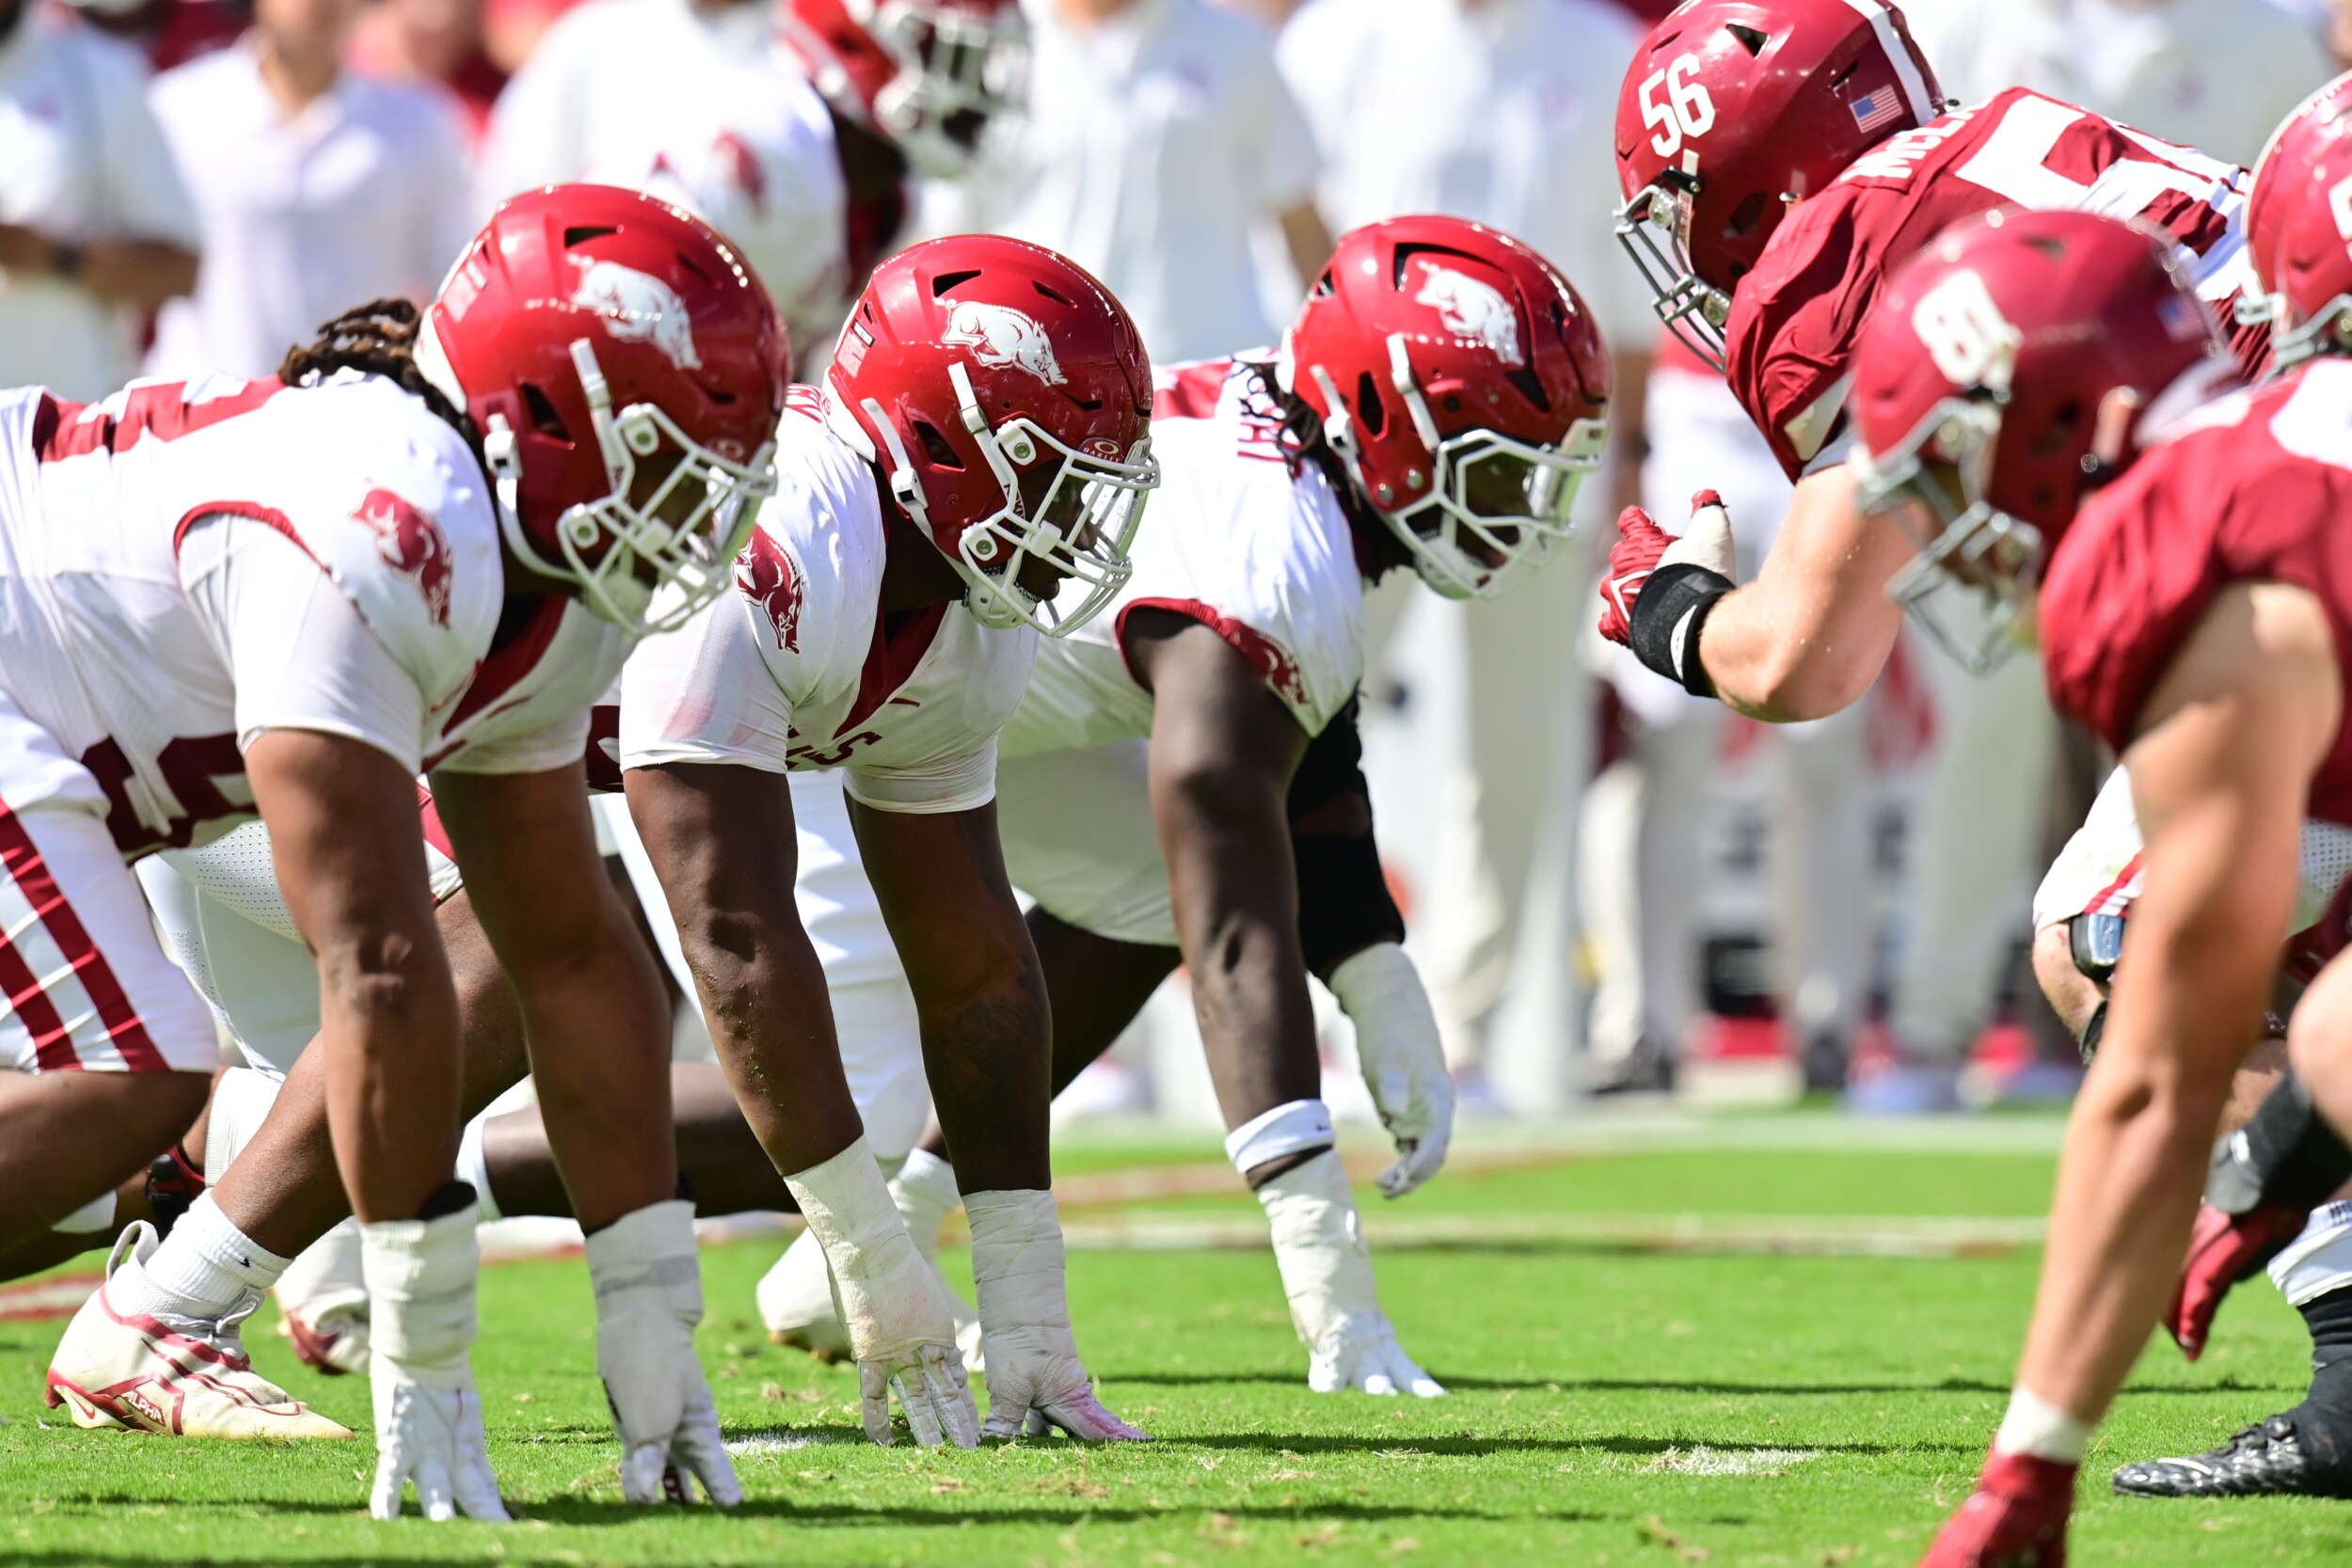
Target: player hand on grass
point(421, 1277)
point(649, 1299)
point(1403, 1060)
point(901, 1324)
point(1035, 1379)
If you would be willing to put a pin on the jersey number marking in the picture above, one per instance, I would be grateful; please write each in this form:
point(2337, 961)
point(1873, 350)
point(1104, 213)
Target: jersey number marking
point(2013, 165)
point(1685, 114)
point(1964, 332)
point(193, 767)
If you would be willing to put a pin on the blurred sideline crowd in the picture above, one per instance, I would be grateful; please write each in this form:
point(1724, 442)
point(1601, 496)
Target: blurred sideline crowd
point(1599, 869)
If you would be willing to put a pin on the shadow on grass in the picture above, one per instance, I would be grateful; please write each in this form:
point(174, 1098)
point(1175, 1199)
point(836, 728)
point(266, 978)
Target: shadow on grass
point(953, 1511)
point(1538, 1382)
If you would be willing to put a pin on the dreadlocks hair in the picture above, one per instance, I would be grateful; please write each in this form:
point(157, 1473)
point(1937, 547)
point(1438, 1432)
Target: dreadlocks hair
point(1303, 442)
point(378, 339)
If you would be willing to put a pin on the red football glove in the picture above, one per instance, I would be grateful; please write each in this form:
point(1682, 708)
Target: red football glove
point(2222, 1250)
point(2016, 1517)
point(1640, 548)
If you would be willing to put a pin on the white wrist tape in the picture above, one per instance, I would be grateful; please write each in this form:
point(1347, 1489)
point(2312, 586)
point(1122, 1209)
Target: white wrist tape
point(1377, 979)
point(1019, 1270)
point(646, 1263)
point(1319, 1247)
point(421, 1277)
point(1302, 1124)
point(849, 1211)
point(2318, 1261)
point(2035, 1426)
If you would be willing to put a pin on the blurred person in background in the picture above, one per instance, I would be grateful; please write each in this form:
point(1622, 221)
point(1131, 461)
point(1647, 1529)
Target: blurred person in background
point(96, 229)
point(801, 146)
point(1643, 895)
point(317, 188)
point(167, 32)
point(1159, 140)
point(1498, 111)
point(2212, 74)
point(431, 40)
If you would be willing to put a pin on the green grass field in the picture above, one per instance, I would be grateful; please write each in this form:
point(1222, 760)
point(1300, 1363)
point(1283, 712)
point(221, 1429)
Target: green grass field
point(1756, 1343)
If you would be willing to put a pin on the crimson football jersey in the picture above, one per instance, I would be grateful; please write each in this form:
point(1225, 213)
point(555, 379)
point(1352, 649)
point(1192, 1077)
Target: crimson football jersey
point(2253, 487)
point(1795, 319)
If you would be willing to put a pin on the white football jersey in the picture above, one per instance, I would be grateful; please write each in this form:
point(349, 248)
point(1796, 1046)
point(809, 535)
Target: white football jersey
point(1233, 539)
point(798, 669)
point(103, 639)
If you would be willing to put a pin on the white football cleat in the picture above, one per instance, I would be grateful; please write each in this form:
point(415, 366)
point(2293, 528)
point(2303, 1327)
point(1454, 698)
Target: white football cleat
point(1361, 1354)
point(322, 1303)
point(329, 1333)
point(183, 1377)
point(795, 1299)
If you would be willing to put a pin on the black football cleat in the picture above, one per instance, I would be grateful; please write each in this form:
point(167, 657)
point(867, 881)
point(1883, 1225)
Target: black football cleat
point(2274, 1457)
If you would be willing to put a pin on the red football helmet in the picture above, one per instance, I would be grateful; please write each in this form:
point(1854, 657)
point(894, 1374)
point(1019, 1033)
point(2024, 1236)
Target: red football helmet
point(1462, 385)
point(1732, 111)
point(1007, 401)
point(2299, 227)
point(2008, 368)
point(588, 330)
point(926, 73)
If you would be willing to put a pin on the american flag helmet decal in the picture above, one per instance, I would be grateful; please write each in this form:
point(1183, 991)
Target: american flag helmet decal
point(1876, 108)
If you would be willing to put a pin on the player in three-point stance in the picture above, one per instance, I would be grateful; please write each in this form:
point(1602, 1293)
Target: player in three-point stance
point(424, 548)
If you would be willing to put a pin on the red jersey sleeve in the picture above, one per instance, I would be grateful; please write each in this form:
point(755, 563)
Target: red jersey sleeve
point(2227, 502)
point(1794, 319)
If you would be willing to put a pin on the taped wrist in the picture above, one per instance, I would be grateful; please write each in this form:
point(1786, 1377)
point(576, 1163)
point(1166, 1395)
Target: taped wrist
point(1319, 1247)
point(1291, 1129)
point(850, 1211)
point(1019, 1270)
point(2285, 1156)
point(646, 1263)
point(1668, 616)
point(421, 1277)
point(1377, 981)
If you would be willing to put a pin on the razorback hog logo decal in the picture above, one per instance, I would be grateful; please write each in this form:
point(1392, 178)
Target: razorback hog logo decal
point(1472, 308)
point(411, 543)
point(638, 307)
point(1000, 335)
point(764, 575)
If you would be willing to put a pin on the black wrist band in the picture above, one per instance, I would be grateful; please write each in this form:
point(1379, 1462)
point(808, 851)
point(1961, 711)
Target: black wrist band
point(2093, 1028)
point(1668, 617)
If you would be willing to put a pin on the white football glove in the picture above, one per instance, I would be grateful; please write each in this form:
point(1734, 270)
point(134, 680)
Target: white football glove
point(1403, 1060)
point(1327, 1273)
point(649, 1298)
point(901, 1322)
point(421, 1278)
point(1035, 1379)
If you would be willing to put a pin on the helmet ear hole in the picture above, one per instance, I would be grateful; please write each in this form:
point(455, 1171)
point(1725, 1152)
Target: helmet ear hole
point(935, 446)
point(541, 407)
point(1370, 412)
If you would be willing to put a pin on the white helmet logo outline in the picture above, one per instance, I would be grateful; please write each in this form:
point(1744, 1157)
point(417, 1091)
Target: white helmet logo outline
point(998, 335)
point(1472, 308)
point(638, 307)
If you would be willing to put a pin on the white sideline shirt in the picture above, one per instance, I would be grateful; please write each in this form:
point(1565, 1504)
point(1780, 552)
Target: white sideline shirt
point(606, 82)
point(81, 159)
point(1153, 147)
point(1500, 113)
point(361, 196)
point(2217, 75)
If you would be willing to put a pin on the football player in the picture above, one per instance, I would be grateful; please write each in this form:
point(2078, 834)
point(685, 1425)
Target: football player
point(424, 547)
point(802, 147)
point(1434, 406)
point(2034, 405)
point(1780, 158)
point(981, 439)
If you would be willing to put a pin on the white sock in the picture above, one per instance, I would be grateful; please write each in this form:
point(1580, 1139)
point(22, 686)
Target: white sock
point(2035, 1426)
point(925, 1193)
point(473, 1166)
point(200, 1271)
